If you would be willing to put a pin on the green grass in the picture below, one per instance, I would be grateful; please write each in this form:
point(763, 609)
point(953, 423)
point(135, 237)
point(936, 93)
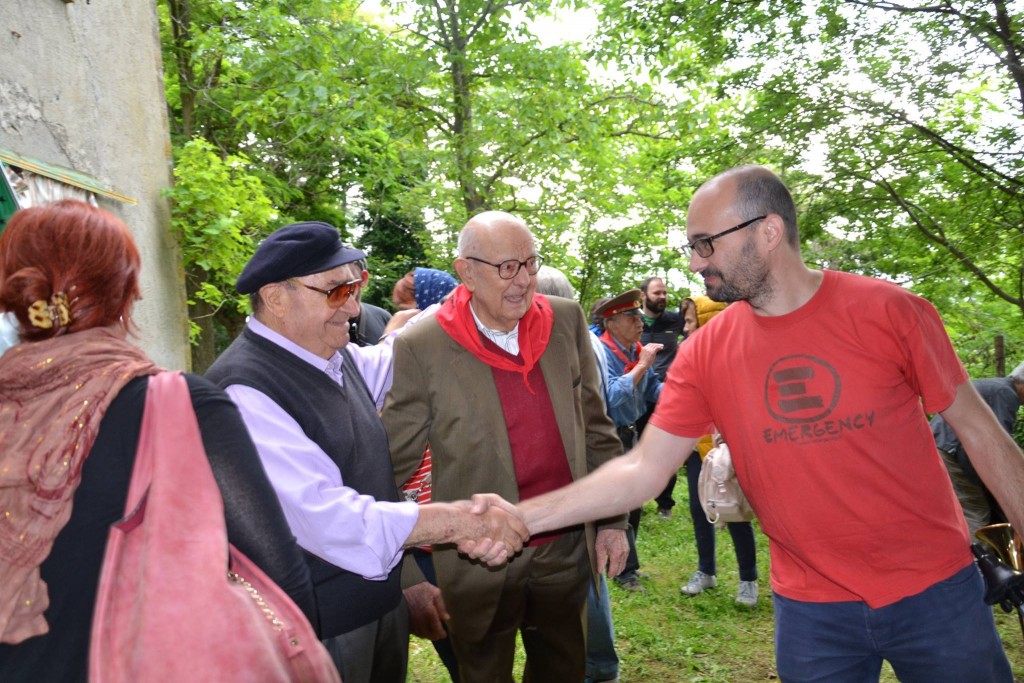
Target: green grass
point(665, 637)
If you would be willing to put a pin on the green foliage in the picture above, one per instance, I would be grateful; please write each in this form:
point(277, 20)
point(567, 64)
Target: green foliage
point(397, 134)
point(394, 246)
point(219, 211)
point(897, 126)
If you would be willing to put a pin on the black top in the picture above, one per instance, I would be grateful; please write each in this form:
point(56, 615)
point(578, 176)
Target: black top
point(367, 328)
point(1001, 396)
point(255, 525)
point(665, 329)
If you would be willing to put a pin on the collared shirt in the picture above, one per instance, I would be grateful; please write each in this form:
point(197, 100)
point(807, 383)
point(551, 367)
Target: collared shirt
point(509, 341)
point(626, 402)
point(330, 520)
point(372, 362)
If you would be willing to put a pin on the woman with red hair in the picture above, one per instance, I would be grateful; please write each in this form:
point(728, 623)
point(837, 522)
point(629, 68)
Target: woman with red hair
point(71, 403)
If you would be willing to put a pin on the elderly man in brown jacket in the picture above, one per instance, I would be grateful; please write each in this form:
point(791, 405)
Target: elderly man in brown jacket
point(503, 385)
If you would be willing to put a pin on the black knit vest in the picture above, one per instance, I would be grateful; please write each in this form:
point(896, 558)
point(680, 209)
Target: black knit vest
point(342, 421)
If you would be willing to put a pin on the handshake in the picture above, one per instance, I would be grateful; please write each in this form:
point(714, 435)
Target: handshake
point(487, 528)
point(492, 531)
point(495, 530)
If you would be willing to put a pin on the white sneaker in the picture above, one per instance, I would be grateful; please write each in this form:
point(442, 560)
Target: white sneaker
point(698, 583)
point(747, 594)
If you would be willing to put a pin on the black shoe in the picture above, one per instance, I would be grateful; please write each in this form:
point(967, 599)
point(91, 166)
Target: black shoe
point(631, 584)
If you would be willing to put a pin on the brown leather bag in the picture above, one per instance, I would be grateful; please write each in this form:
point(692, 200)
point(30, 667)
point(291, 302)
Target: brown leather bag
point(176, 601)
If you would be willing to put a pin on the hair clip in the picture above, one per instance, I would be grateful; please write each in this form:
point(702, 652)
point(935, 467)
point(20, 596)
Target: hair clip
point(45, 315)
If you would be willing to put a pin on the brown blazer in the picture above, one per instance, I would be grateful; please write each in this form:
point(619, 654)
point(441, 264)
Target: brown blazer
point(444, 395)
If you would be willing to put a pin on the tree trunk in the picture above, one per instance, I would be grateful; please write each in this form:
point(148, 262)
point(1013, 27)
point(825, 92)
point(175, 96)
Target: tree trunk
point(201, 313)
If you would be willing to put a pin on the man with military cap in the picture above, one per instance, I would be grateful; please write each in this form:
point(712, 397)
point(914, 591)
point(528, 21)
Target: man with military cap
point(310, 402)
point(629, 385)
point(630, 380)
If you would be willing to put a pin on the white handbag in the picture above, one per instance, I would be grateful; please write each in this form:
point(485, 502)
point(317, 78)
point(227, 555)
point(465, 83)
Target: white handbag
point(719, 490)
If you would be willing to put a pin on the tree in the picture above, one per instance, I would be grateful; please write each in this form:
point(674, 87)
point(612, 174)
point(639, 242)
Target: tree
point(219, 211)
point(517, 126)
point(397, 135)
point(897, 124)
point(278, 93)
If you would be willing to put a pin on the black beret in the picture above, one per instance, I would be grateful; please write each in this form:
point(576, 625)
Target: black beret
point(293, 251)
point(629, 301)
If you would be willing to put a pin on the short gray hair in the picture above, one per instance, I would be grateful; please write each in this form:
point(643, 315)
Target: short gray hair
point(553, 282)
point(1017, 374)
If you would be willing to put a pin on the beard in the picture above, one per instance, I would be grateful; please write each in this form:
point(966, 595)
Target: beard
point(748, 280)
point(655, 306)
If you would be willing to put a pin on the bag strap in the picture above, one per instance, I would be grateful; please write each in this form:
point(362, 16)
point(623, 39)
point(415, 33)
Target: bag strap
point(167, 395)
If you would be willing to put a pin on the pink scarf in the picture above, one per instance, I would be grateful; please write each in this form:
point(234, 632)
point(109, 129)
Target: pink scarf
point(53, 395)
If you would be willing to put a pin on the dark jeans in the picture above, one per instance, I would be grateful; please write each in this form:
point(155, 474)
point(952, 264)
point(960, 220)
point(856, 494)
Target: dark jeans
point(945, 634)
point(665, 500)
point(602, 660)
point(704, 531)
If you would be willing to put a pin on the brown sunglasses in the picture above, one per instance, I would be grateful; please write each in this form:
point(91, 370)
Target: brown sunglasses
point(338, 295)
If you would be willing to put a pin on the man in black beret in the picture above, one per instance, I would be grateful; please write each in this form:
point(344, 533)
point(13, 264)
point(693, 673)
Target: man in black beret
point(310, 401)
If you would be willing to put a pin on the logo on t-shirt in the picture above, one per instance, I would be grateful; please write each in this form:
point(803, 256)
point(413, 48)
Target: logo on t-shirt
point(802, 391)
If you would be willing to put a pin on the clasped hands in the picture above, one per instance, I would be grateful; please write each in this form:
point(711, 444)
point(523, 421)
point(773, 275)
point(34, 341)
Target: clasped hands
point(497, 531)
point(501, 543)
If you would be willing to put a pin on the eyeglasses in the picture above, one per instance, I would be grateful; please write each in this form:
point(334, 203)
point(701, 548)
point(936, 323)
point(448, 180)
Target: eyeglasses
point(509, 269)
point(338, 295)
point(705, 247)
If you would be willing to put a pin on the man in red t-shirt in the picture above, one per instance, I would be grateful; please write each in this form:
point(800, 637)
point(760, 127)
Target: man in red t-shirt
point(819, 382)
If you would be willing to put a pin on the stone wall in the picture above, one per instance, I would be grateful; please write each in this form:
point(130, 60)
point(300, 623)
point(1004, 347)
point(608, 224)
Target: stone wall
point(81, 86)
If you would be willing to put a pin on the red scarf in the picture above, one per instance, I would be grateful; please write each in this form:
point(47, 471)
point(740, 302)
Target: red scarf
point(608, 341)
point(456, 319)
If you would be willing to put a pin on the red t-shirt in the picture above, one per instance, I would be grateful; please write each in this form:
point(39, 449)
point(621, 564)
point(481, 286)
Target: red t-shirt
point(822, 410)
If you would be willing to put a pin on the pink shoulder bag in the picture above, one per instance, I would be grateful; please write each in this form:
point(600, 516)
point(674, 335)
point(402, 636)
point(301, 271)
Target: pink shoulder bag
point(176, 601)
